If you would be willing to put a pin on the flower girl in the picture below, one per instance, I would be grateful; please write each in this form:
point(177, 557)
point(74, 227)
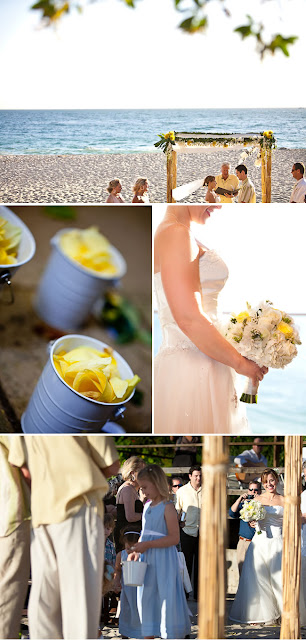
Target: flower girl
point(161, 600)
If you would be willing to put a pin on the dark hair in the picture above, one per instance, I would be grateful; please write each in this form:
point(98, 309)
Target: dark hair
point(195, 467)
point(129, 534)
point(299, 167)
point(208, 179)
point(242, 167)
point(255, 482)
point(109, 520)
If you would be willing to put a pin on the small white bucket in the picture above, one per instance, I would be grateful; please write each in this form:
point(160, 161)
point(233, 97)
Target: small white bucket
point(26, 249)
point(54, 407)
point(133, 573)
point(67, 291)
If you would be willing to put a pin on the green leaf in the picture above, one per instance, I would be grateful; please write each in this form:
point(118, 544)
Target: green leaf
point(245, 31)
point(192, 24)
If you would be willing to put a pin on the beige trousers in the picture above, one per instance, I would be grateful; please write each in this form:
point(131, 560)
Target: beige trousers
point(14, 576)
point(67, 566)
point(242, 548)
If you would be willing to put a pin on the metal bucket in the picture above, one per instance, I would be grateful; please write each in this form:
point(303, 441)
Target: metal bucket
point(67, 291)
point(133, 573)
point(54, 407)
point(26, 251)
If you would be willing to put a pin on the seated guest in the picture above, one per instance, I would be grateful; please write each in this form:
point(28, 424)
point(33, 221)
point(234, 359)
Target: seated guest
point(247, 189)
point(210, 183)
point(140, 189)
point(114, 188)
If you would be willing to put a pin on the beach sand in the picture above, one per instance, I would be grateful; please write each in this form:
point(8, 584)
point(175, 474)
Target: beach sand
point(84, 178)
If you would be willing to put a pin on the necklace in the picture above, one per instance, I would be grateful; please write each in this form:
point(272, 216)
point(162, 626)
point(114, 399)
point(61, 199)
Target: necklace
point(179, 222)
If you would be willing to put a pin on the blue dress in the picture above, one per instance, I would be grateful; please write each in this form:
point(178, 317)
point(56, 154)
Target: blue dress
point(161, 601)
point(129, 623)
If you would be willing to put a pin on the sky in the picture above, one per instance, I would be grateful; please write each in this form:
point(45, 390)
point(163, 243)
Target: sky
point(264, 249)
point(111, 56)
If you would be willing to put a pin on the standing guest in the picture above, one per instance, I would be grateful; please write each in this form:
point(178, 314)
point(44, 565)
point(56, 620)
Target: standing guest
point(161, 601)
point(176, 483)
point(109, 566)
point(299, 190)
point(140, 189)
point(185, 451)
point(114, 189)
point(68, 482)
point(14, 543)
point(229, 181)
point(210, 183)
point(247, 190)
point(129, 505)
point(303, 510)
point(129, 622)
point(188, 505)
point(246, 532)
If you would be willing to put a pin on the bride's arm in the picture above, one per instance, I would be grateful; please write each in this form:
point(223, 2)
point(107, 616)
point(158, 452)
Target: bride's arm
point(179, 267)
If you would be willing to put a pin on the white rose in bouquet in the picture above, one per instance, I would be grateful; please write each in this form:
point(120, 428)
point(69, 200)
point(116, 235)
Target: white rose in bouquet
point(265, 335)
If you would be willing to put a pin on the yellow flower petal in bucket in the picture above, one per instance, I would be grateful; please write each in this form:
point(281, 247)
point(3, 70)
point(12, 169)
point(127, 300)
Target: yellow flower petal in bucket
point(119, 386)
point(10, 237)
point(94, 374)
point(285, 328)
point(89, 248)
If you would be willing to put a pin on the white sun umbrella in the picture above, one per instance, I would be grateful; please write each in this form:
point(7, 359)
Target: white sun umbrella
point(179, 193)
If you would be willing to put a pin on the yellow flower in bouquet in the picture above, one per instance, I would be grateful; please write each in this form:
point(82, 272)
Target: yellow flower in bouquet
point(268, 134)
point(94, 374)
point(285, 328)
point(89, 248)
point(10, 237)
point(244, 315)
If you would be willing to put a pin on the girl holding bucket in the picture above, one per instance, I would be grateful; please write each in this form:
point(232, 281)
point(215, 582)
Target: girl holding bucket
point(161, 600)
point(129, 623)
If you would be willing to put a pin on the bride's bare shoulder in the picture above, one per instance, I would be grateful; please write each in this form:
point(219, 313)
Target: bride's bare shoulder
point(169, 230)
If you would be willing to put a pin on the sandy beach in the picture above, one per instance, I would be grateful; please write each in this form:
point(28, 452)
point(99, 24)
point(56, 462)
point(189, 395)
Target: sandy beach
point(84, 178)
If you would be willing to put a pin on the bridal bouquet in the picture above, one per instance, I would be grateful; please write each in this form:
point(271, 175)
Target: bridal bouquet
point(265, 335)
point(253, 510)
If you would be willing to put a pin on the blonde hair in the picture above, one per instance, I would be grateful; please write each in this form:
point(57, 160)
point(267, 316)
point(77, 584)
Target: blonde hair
point(112, 185)
point(155, 474)
point(130, 466)
point(139, 183)
point(268, 472)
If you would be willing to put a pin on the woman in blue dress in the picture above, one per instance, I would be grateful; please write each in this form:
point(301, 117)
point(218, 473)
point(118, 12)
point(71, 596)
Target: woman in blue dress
point(161, 601)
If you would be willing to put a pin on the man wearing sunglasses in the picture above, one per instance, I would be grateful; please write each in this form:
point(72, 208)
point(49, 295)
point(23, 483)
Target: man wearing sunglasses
point(246, 532)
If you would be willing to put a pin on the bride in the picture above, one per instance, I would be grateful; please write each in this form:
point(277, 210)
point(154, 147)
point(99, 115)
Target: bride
point(194, 385)
point(259, 595)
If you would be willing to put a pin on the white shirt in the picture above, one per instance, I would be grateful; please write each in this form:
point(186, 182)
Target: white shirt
point(188, 499)
point(299, 191)
point(249, 455)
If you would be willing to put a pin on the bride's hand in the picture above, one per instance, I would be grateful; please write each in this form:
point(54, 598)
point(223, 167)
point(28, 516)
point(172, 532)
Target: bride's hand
point(251, 370)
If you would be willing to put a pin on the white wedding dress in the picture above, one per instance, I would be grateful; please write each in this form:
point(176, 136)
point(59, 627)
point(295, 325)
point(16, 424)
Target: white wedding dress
point(194, 393)
point(259, 595)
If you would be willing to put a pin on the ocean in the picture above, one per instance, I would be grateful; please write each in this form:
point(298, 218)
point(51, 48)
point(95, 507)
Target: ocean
point(95, 131)
point(281, 407)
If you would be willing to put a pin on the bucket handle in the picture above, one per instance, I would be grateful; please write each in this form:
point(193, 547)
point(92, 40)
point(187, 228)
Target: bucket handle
point(5, 279)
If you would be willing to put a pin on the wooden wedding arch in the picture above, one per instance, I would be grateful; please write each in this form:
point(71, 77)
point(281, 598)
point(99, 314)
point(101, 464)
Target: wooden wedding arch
point(213, 538)
point(174, 143)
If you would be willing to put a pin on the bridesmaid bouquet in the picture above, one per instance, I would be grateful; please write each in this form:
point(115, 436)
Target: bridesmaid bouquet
point(265, 335)
point(253, 510)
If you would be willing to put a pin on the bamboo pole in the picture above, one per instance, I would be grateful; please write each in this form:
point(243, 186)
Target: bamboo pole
point(263, 173)
point(171, 174)
point(268, 174)
point(291, 562)
point(213, 538)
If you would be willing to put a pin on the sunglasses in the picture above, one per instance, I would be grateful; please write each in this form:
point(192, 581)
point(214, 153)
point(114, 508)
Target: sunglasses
point(254, 490)
point(174, 486)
